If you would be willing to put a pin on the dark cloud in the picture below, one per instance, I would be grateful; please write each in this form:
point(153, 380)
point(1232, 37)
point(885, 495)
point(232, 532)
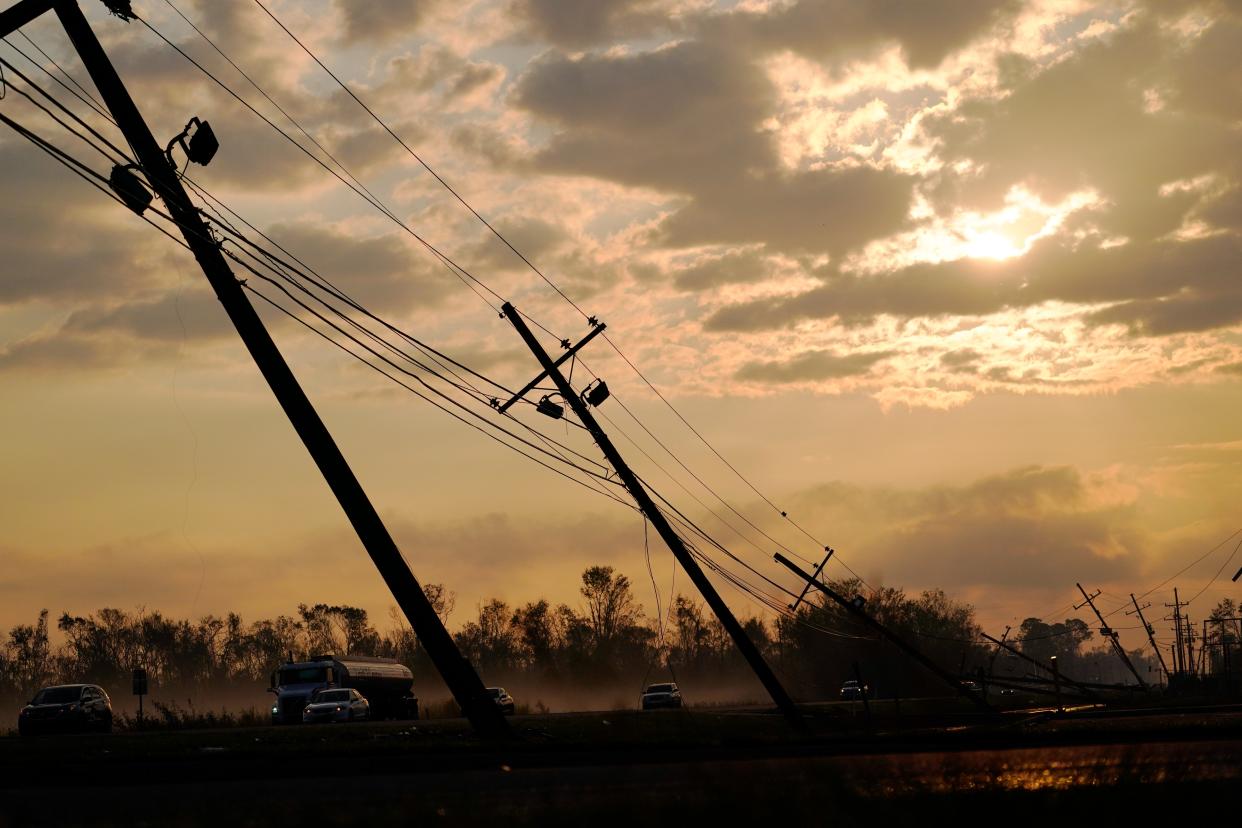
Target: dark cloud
point(1025, 528)
point(738, 267)
point(926, 30)
point(685, 120)
point(537, 238)
point(961, 362)
point(811, 366)
point(473, 76)
point(674, 119)
point(46, 353)
point(194, 314)
point(1234, 368)
point(381, 21)
point(388, 274)
point(830, 210)
point(577, 24)
point(64, 240)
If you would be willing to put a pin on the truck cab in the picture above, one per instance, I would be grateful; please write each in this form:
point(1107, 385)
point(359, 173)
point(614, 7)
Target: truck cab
point(294, 683)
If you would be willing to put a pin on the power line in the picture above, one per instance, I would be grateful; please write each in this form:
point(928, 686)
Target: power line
point(99, 182)
point(1186, 568)
point(346, 88)
point(467, 278)
point(379, 205)
point(419, 159)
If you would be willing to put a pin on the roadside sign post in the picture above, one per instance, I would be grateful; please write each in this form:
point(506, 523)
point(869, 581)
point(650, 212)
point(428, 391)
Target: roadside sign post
point(140, 690)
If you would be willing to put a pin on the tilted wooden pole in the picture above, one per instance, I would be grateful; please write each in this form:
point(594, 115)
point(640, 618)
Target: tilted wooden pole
point(648, 506)
point(459, 675)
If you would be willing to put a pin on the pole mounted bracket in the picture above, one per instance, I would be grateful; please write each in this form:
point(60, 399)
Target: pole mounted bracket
point(570, 350)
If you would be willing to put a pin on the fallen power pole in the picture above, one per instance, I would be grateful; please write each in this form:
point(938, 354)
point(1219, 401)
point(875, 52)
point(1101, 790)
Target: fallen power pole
point(458, 674)
point(1034, 661)
point(1109, 633)
point(855, 608)
point(579, 403)
point(1151, 634)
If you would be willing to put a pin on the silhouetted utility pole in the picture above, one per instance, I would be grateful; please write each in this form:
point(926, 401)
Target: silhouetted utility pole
point(1179, 656)
point(578, 403)
point(1109, 633)
point(1189, 638)
point(458, 674)
point(1151, 633)
point(855, 608)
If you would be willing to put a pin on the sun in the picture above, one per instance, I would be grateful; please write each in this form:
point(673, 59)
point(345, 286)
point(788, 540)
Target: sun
point(991, 245)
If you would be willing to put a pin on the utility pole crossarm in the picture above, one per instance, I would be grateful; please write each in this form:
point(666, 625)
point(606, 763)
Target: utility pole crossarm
point(542, 375)
point(908, 649)
point(649, 508)
point(458, 674)
point(814, 577)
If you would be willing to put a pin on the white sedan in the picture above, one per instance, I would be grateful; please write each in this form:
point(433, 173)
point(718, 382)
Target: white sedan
point(343, 705)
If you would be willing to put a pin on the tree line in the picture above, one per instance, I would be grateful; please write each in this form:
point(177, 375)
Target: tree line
point(608, 639)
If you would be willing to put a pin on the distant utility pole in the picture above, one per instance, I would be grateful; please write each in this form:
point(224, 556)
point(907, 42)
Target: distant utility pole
point(855, 608)
point(1179, 656)
point(459, 675)
point(1189, 638)
point(1151, 633)
point(579, 403)
point(1109, 633)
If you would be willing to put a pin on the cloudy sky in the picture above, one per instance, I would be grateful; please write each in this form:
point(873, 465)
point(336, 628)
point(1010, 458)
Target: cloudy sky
point(955, 283)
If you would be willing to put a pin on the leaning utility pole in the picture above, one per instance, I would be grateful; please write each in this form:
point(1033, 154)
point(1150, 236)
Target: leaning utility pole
point(1151, 634)
point(1109, 633)
point(551, 369)
point(458, 674)
point(855, 608)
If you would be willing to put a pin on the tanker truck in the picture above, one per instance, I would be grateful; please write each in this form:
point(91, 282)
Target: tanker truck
point(387, 684)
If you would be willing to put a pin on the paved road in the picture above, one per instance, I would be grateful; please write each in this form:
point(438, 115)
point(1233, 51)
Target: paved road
point(721, 785)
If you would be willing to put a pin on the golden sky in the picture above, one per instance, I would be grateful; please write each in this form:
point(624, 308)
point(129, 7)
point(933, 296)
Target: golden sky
point(953, 282)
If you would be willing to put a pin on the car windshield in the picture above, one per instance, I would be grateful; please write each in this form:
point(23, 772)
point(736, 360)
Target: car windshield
point(331, 696)
point(57, 695)
point(661, 688)
point(303, 675)
point(494, 692)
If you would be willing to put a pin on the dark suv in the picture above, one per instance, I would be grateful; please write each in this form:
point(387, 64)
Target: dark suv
point(66, 708)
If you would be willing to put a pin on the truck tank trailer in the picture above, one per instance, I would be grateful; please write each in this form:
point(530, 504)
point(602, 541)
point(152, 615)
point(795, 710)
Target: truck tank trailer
point(387, 684)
